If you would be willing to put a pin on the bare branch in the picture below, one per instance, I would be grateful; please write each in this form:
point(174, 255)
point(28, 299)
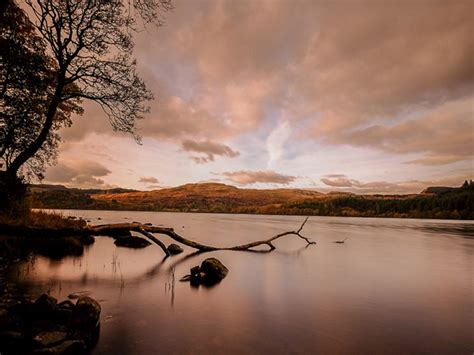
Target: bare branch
point(113, 229)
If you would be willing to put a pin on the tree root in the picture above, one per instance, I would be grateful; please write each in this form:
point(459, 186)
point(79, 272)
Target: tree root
point(147, 230)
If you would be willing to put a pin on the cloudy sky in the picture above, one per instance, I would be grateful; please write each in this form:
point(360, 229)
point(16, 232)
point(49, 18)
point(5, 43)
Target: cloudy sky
point(367, 96)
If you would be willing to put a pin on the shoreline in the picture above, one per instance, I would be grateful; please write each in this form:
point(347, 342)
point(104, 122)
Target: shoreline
point(251, 214)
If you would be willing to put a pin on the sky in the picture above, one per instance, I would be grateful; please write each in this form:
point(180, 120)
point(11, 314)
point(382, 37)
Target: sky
point(346, 95)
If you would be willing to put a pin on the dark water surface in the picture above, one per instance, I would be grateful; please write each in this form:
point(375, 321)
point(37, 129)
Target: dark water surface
point(395, 286)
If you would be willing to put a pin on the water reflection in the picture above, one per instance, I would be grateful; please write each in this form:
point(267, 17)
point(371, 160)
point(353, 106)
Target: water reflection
point(395, 286)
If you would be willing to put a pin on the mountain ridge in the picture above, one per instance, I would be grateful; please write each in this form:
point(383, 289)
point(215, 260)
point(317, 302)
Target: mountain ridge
point(436, 202)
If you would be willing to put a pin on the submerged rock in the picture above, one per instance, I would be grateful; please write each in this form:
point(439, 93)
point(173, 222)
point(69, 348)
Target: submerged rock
point(209, 273)
point(175, 249)
point(132, 242)
point(214, 271)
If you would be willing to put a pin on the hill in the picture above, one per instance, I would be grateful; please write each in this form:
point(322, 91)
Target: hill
point(437, 202)
point(207, 197)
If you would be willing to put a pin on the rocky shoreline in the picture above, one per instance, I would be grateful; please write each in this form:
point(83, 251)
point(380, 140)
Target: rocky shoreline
point(48, 327)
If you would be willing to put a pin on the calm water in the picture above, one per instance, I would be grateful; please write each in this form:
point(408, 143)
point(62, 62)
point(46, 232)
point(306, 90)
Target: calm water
point(395, 286)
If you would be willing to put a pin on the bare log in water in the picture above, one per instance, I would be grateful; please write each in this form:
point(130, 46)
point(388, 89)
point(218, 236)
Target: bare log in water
point(148, 230)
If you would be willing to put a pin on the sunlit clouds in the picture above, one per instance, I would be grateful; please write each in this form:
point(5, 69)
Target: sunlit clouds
point(269, 93)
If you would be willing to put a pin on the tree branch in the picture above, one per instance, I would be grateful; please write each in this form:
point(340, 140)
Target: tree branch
point(146, 230)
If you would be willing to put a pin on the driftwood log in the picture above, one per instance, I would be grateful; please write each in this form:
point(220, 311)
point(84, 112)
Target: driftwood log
point(149, 230)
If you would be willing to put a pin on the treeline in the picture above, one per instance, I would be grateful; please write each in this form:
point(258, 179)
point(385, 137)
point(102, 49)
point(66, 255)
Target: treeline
point(447, 206)
point(65, 199)
point(455, 203)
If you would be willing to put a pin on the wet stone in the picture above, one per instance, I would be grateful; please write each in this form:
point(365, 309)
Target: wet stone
point(175, 249)
point(49, 338)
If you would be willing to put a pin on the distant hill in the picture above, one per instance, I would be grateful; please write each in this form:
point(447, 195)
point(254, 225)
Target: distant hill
point(433, 202)
point(208, 197)
point(439, 189)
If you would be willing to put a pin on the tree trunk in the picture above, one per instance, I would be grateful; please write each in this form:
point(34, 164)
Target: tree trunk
point(31, 150)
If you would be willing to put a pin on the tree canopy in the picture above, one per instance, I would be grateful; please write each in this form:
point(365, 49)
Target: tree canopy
point(68, 51)
point(26, 77)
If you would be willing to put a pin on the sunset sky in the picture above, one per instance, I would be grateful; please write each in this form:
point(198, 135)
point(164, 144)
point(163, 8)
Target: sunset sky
point(366, 96)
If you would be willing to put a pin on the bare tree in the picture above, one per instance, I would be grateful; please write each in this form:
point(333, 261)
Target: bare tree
point(26, 76)
point(91, 43)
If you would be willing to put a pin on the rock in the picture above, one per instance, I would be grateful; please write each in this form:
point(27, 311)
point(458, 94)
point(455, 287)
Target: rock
point(45, 304)
point(185, 278)
point(148, 224)
point(50, 338)
point(175, 249)
point(214, 271)
point(67, 347)
point(63, 312)
point(76, 295)
point(66, 305)
point(132, 242)
point(5, 318)
point(11, 340)
point(61, 315)
point(195, 276)
point(86, 314)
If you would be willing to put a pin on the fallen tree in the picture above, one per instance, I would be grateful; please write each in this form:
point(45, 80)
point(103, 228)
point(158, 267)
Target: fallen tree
point(148, 230)
point(124, 229)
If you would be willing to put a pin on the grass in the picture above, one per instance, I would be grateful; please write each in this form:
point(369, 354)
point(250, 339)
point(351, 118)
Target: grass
point(42, 219)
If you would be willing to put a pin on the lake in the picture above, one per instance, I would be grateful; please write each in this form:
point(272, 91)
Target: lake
point(395, 286)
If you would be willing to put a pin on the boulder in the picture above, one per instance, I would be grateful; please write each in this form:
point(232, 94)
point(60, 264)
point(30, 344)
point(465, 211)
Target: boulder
point(86, 314)
point(132, 242)
point(213, 270)
point(175, 249)
point(63, 312)
point(66, 304)
point(209, 273)
point(45, 304)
